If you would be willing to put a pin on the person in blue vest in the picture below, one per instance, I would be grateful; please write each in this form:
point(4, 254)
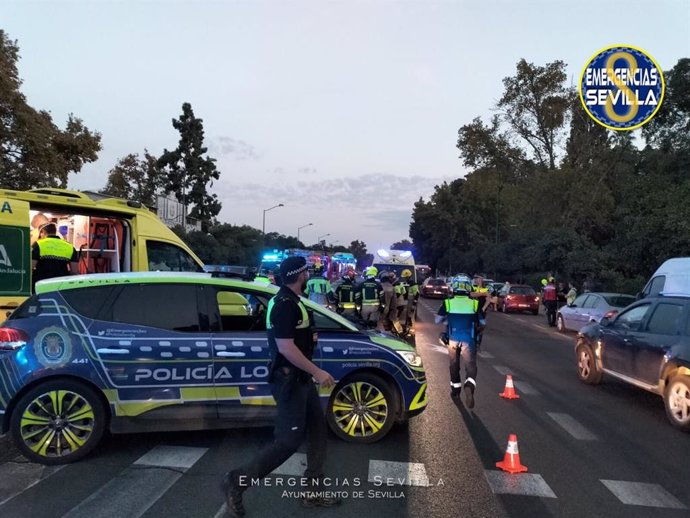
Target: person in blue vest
point(460, 313)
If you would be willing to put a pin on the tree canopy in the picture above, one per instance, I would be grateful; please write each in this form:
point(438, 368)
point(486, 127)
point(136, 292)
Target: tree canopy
point(34, 152)
point(548, 189)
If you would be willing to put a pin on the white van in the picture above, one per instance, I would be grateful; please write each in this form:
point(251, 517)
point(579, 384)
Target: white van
point(671, 278)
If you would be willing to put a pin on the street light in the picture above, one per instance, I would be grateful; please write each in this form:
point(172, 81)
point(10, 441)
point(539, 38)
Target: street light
point(318, 239)
point(263, 226)
point(300, 228)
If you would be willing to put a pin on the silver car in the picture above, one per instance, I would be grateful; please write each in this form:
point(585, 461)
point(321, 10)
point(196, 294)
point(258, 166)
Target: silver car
point(591, 307)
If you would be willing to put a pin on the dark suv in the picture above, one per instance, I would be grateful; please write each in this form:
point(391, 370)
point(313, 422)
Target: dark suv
point(646, 345)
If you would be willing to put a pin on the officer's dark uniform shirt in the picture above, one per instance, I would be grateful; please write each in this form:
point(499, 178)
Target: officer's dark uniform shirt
point(288, 318)
point(49, 267)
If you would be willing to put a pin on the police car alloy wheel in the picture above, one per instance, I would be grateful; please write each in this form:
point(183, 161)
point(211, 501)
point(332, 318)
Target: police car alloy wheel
point(587, 369)
point(58, 422)
point(677, 402)
point(362, 408)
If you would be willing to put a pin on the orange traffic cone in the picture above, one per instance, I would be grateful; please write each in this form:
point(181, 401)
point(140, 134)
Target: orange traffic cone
point(511, 460)
point(509, 391)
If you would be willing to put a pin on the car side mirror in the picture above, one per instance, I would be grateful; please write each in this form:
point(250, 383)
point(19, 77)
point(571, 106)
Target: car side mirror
point(605, 321)
point(572, 305)
point(639, 296)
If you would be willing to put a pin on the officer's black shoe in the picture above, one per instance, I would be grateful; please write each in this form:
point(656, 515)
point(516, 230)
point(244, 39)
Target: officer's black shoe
point(233, 496)
point(469, 397)
point(321, 501)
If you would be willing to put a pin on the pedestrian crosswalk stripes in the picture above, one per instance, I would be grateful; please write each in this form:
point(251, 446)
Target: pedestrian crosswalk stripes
point(525, 484)
point(572, 426)
point(643, 494)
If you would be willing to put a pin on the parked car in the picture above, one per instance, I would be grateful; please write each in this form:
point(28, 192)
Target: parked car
point(518, 297)
point(591, 307)
point(647, 345)
point(671, 278)
point(151, 352)
point(435, 288)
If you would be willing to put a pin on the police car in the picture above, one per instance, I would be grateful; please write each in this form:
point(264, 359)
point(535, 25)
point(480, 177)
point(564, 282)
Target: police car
point(144, 351)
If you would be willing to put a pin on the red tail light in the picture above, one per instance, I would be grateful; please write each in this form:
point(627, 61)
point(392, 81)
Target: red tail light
point(12, 339)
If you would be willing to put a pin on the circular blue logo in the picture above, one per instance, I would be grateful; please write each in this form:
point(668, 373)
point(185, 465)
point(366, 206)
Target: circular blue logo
point(622, 87)
point(53, 347)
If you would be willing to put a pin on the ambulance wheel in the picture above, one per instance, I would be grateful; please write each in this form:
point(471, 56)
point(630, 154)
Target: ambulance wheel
point(58, 422)
point(362, 408)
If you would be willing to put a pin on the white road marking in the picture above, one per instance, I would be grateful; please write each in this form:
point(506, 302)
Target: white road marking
point(485, 355)
point(502, 369)
point(572, 426)
point(180, 457)
point(525, 388)
point(526, 484)
point(222, 511)
point(639, 493)
point(293, 467)
point(17, 477)
point(138, 487)
point(397, 473)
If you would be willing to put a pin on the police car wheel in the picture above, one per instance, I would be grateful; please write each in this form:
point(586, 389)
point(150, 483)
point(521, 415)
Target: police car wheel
point(362, 408)
point(58, 422)
point(587, 369)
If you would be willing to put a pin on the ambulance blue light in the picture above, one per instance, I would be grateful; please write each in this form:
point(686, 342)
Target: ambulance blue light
point(383, 253)
point(406, 254)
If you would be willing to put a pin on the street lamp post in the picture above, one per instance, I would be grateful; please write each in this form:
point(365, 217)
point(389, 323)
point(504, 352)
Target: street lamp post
point(318, 239)
point(263, 225)
point(300, 228)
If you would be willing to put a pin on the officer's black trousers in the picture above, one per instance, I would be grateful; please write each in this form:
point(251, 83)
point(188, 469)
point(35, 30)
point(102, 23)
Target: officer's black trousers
point(299, 415)
point(551, 306)
point(468, 354)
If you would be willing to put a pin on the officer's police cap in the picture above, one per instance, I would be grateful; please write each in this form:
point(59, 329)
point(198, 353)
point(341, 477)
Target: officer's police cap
point(291, 267)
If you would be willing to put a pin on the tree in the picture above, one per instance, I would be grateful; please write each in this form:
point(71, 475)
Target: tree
point(404, 244)
point(359, 250)
point(535, 104)
point(34, 152)
point(136, 179)
point(190, 173)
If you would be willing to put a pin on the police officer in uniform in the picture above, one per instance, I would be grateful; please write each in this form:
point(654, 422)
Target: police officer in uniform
point(291, 340)
point(319, 289)
point(51, 256)
point(345, 295)
point(460, 312)
point(481, 293)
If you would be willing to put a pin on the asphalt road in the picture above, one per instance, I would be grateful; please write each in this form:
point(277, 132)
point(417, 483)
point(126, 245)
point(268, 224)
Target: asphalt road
point(571, 437)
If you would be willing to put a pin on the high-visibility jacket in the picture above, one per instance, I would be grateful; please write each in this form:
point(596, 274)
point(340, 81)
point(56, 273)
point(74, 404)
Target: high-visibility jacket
point(345, 294)
point(369, 292)
point(461, 312)
point(55, 248)
point(550, 293)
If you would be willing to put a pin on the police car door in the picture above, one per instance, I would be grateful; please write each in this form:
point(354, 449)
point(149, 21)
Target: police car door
point(241, 356)
point(154, 342)
point(15, 253)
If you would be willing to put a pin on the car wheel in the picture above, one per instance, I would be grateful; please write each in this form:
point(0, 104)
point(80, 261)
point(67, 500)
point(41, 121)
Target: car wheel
point(677, 402)
point(587, 369)
point(560, 324)
point(58, 422)
point(362, 409)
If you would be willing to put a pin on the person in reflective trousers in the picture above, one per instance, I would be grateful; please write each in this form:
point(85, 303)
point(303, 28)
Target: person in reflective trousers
point(460, 312)
point(291, 341)
point(369, 297)
point(345, 295)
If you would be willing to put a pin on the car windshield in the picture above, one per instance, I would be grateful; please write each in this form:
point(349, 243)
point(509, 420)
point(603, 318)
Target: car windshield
point(619, 301)
point(437, 282)
point(521, 290)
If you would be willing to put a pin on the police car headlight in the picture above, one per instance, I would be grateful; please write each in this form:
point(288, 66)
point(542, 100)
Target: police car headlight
point(411, 358)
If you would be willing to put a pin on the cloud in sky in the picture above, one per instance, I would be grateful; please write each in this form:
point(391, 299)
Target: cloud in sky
point(234, 148)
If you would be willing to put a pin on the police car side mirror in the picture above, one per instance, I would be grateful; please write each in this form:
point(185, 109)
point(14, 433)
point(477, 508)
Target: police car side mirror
point(604, 322)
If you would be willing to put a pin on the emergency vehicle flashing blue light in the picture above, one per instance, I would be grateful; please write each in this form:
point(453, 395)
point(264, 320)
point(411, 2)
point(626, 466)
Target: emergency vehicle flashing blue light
point(406, 254)
point(383, 253)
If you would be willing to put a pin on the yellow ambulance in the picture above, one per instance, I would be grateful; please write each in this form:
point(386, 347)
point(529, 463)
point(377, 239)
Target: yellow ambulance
point(109, 234)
